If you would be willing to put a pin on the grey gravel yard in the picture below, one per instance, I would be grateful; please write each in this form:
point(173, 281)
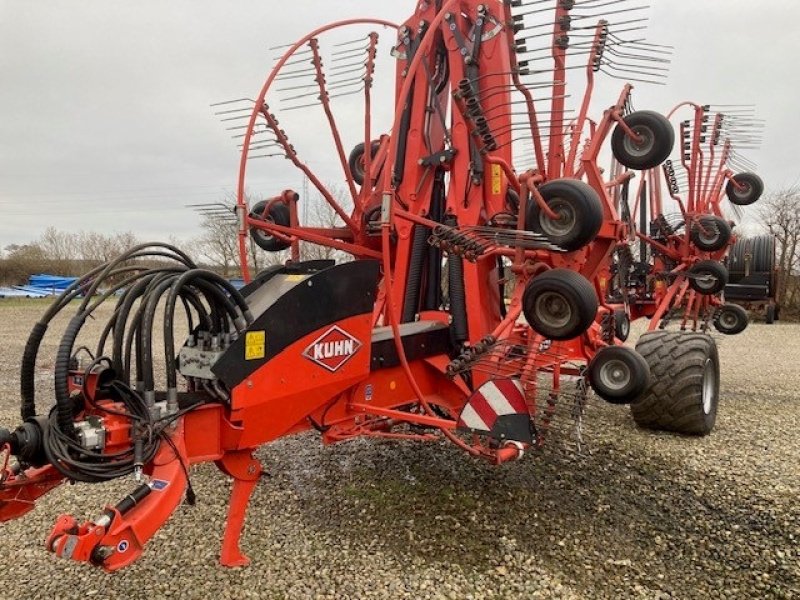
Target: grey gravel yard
point(633, 515)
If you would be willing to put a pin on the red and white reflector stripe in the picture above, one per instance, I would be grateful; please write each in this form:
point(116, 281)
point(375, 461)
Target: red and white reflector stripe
point(491, 400)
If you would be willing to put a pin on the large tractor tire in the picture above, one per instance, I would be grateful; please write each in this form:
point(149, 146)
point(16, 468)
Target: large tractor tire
point(684, 389)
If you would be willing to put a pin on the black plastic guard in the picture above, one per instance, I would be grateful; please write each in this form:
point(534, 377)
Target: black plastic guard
point(295, 302)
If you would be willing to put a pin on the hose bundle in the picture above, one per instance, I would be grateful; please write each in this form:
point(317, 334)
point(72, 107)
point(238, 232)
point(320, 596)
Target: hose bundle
point(145, 277)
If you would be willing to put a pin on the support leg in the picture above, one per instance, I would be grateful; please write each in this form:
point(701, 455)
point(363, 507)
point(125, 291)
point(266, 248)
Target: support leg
point(246, 471)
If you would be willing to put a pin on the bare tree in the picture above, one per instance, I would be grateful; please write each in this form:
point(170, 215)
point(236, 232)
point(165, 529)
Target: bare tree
point(92, 247)
point(20, 262)
point(780, 214)
point(63, 253)
point(318, 213)
point(59, 248)
point(218, 244)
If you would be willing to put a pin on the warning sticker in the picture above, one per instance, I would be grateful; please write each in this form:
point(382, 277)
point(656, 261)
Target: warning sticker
point(255, 345)
point(497, 180)
point(295, 278)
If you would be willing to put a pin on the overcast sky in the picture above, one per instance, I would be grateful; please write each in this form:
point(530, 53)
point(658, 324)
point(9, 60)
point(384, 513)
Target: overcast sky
point(105, 121)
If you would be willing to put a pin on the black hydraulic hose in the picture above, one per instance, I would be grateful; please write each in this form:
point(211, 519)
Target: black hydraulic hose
point(232, 299)
point(140, 251)
point(187, 311)
point(146, 329)
point(134, 333)
point(216, 287)
point(192, 299)
point(416, 265)
point(121, 317)
point(64, 406)
point(28, 365)
point(219, 311)
point(433, 288)
point(109, 326)
point(405, 122)
point(121, 322)
point(27, 381)
point(457, 293)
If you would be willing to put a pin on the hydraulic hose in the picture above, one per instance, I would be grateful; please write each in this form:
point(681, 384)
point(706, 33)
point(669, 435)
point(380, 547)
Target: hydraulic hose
point(234, 304)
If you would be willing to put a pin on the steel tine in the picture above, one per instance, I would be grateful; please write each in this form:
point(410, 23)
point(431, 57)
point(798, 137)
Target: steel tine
point(291, 88)
point(233, 101)
point(350, 42)
point(350, 54)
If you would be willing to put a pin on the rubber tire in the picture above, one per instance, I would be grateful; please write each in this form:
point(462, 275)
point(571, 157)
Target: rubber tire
point(575, 289)
point(711, 223)
point(583, 201)
point(622, 325)
point(639, 380)
point(770, 314)
point(355, 163)
point(662, 134)
point(710, 267)
point(742, 319)
point(674, 399)
point(512, 201)
point(753, 181)
point(278, 214)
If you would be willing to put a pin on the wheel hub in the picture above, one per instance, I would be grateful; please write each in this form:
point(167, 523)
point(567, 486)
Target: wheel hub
point(615, 375)
point(742, 191)
point(641, 147)
point(625, 328)
point(553, 310)
point(566, 219)
point(706, 281)
point(728, 320)
point(708, 233)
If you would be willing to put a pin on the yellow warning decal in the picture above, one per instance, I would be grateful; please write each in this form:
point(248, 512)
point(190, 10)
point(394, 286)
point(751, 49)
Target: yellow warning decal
point(255, 345)
point(295, 277)
point(497, 180)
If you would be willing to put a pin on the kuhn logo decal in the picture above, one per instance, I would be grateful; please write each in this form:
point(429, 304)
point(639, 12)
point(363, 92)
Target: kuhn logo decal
point(332, 349)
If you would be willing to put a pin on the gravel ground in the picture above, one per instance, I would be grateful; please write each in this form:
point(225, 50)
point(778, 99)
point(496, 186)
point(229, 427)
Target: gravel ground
point(633, 515)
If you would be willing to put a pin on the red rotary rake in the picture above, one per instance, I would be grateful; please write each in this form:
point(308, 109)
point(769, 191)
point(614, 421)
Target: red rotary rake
point(679, 275)
point(413, 339)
